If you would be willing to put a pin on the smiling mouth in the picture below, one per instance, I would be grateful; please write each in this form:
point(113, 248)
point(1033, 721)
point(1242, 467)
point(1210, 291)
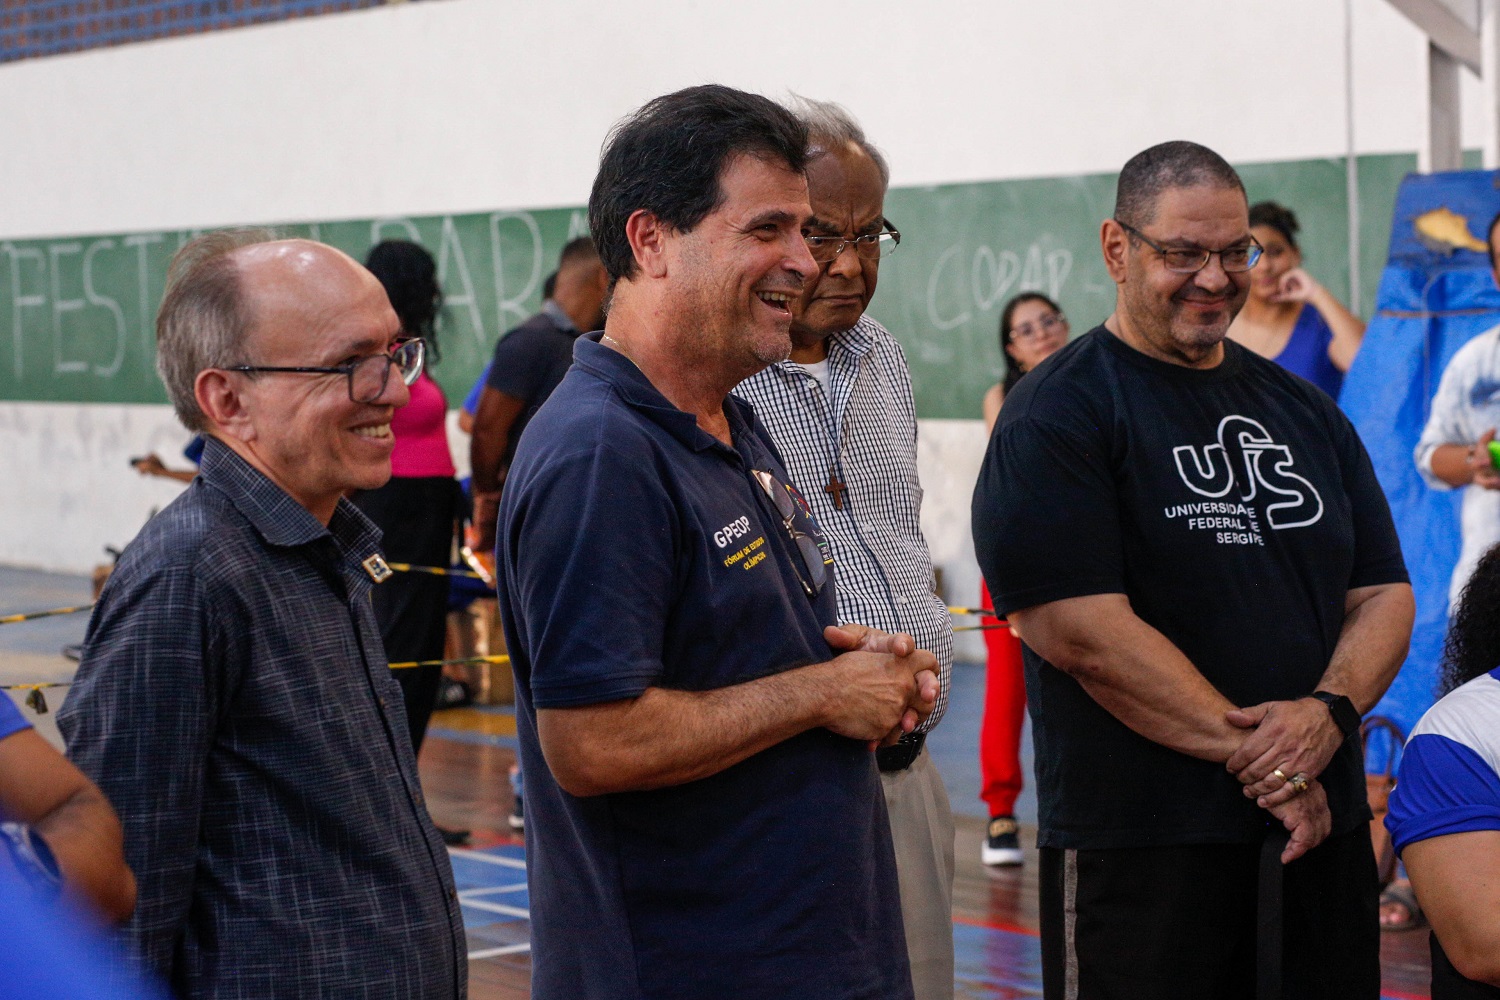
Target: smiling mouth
point(780, 301)
point(375, 432)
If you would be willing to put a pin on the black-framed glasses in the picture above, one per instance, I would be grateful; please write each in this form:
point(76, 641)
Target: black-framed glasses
point(368, 376)
point(814, 554)
point(1047, 323)
point(870, 246)
point(1191, 260)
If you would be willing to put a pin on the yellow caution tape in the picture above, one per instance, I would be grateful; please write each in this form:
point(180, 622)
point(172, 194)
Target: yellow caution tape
point(30, 615)
point(449, 663)
point(435, 570)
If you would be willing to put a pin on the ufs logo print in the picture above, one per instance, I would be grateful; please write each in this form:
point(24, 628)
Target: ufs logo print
point(1247, 457)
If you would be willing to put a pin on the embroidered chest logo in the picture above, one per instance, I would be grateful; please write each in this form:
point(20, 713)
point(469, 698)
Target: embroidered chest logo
point(1244, 466)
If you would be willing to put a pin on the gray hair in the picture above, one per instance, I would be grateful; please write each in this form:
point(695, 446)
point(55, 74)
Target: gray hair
point(203, 320)
point(830, 126)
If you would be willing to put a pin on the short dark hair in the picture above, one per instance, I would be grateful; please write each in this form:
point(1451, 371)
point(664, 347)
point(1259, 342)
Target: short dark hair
point(409, 276)
point(578, 250)
point(1277, 217)
point(668, 156)
point(1176, 164)
point(1472, 646)
point(1013, 371)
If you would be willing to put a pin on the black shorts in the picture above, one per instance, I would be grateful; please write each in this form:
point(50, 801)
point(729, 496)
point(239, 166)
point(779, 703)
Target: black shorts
point(1180, 922)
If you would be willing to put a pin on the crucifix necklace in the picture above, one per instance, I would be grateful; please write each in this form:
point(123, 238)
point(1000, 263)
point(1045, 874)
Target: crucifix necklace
point(835, 489)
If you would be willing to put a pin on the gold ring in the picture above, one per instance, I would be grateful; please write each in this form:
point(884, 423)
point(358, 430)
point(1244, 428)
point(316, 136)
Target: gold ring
point(1299, 782)
point(1282, 775)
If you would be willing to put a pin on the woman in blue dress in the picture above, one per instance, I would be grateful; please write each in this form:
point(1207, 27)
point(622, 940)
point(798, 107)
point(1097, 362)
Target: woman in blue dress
point(1289, 317)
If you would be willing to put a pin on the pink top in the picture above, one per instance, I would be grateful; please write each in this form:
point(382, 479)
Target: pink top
point(421, 437)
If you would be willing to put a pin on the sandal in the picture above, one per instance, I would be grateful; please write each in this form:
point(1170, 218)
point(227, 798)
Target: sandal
point(1398, 908)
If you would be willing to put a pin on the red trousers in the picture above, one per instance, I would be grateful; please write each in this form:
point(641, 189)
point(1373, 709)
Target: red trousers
point(1004, 713)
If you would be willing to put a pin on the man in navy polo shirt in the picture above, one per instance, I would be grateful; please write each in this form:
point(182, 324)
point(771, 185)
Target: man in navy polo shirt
point(704, 814)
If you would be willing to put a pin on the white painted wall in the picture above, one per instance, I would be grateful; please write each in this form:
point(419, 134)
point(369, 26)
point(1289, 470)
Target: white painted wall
point(465, 105)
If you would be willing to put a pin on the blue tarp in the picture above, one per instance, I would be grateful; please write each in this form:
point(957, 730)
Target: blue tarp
point(1432, 299)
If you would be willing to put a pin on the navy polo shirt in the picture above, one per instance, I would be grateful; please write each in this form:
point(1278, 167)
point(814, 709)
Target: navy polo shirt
point(636, 551)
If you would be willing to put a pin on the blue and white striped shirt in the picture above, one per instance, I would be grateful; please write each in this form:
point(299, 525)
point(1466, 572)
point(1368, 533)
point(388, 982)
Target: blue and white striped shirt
point(864, 430)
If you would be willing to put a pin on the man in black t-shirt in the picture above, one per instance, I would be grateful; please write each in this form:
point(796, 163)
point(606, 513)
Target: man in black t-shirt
point(528, 364)
point(1195, 549)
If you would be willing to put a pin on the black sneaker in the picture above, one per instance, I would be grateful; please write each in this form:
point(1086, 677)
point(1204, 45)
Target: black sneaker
point(453, 838)
point(1002, 844)
point(517, 817)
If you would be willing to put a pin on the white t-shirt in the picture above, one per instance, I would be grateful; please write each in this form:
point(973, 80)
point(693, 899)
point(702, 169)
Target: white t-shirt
point(819, 371)
point(1466, 405)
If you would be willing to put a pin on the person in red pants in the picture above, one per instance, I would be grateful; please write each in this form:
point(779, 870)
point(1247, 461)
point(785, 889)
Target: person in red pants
point(1000, 741)
point(1031, 328)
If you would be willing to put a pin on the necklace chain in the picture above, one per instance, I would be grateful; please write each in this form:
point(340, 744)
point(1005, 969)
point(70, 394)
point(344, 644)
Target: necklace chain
point(621, 349)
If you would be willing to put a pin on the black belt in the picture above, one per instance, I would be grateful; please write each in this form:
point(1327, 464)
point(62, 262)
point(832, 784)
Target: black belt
point(899, 756)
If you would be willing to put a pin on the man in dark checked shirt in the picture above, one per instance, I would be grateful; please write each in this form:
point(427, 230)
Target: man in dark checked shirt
point(840, 411)
point(233, 699)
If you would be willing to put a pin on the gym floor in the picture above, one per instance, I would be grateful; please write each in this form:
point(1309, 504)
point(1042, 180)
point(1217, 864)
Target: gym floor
point(465, 765)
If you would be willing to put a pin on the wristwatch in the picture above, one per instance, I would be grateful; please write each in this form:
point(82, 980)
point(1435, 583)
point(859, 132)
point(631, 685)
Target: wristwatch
point(33, 858)
point(1345, 715)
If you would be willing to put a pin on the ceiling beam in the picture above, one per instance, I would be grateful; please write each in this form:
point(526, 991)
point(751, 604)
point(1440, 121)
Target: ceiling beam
point(1452, 25)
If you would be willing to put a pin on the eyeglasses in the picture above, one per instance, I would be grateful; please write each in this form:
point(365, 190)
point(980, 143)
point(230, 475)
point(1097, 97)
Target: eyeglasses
point(870, 246)
point(1184, 260)
point(814, 552)
point(368, 376)
point(1048, 323)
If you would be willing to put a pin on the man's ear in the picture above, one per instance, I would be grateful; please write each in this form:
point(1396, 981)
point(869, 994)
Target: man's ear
point(1114, 241)
point(219, 397)
point(648, 241)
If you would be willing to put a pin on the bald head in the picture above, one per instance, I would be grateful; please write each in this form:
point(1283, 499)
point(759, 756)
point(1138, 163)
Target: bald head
point(297, 282)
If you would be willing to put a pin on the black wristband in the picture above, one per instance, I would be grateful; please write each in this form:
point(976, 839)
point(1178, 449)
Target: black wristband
point(1345, 715)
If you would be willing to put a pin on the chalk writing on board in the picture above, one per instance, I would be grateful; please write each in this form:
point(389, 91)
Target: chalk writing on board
point(989, 279)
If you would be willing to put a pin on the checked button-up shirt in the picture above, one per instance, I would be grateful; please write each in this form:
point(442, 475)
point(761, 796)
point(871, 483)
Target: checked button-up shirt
point(234, 703)
point(864, 430)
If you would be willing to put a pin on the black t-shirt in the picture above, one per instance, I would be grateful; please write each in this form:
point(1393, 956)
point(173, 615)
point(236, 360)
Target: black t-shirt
point(1235, 507)
point(528, 364)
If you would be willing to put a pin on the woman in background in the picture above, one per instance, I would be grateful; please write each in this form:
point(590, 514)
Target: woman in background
point(1032, 327)
point(1289, 317)
point(1445, 809)
point(418, 509)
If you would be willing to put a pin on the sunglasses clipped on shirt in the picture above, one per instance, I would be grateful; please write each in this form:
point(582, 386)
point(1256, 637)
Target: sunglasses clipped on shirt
point(812, 552)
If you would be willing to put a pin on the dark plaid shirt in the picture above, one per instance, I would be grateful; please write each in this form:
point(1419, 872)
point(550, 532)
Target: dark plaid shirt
point(234, 703)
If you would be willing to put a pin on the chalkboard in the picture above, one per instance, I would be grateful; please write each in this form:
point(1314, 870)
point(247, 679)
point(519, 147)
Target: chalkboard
point(77, 314)
point(967, 248)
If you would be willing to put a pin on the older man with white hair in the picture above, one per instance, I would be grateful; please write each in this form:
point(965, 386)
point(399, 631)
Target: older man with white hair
point(841, 412)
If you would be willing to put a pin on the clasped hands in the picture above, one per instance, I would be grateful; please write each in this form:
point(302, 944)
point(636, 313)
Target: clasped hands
point(887, 685)
point(1298, 739)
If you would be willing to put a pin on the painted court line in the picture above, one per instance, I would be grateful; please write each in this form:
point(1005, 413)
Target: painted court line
point(500, 908)
point(489, 859)
point(510, 949)
point(492, 890)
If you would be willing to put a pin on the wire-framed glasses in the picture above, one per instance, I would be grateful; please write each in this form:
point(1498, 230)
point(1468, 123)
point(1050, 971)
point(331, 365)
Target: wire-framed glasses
point(368, 376)
point(813, 553)
point(1044, 324)
point(1191, 260)
point(870, 246)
